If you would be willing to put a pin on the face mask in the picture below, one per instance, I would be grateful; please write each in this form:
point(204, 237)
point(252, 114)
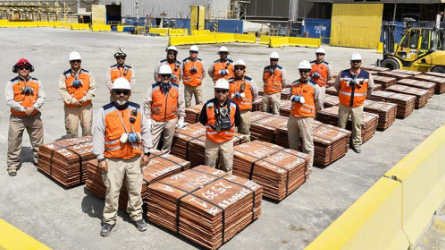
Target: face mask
point(121, 103)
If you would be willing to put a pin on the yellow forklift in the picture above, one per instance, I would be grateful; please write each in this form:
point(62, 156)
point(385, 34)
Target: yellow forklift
point(421, 49)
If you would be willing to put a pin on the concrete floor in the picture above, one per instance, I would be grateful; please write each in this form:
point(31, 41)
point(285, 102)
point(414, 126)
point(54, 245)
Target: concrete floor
point(70, 219)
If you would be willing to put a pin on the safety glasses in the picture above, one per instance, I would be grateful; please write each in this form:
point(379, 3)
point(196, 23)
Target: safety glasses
point(75, 61)
point(356, 61)
point(172, 53)
point(120, 92)
point(274, 60)
point(193, 52)
point(303, 71)
point(120, 58)
point(165, 75)
point(221, 91)
point(239, 68)
point(23, 68)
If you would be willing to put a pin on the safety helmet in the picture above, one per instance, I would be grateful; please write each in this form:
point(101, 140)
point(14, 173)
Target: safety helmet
point(223, 49)
point(21, 63)
point(121, 83)
point(222, 84)
point(119, 52)
point(274, 55)
point(165, 69)
point(75, 56)
point(356, 56)
point(320, 51)
point(172, 48)
point(304, 65)
point(194, 48)
point(240, 63)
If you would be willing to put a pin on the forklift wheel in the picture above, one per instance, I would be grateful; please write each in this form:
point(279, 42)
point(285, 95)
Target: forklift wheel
point(438, 69)
point(389, 63)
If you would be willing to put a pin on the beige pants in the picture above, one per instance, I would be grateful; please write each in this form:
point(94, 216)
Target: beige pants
point(271, 103)
point(301, 127)
point(17, 124)
point(189, 92)
point(225, 151)
point(118, 170)
point(73, 115)
point(166, 130)
point(322, 96)
point(357, 120)
point(244, 127)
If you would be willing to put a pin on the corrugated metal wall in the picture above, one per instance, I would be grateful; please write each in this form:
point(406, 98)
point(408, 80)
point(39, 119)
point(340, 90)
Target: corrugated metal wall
point(268, 8)
point(356, 25)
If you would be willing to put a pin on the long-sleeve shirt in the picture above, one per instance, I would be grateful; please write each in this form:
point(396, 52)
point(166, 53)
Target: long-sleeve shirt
point(149, 99)
point(130, 69)
point(9, 96)
point(67, 98)
point(99, 134)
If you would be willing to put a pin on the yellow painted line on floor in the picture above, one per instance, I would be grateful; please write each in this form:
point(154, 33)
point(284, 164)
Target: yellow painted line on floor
point(11, 238)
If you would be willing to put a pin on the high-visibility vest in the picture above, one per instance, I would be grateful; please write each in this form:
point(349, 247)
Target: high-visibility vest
point(164, 107)
point(114, 128)
point(116, 72)
point(176, 70)
point(189, 78)
point(244, 103)
point(211, 133)
point(26, 100)
point(323, 69)
point(353, 96)
point(306, 90)
point(78, 93)
point(219, 65)
point(272, 78)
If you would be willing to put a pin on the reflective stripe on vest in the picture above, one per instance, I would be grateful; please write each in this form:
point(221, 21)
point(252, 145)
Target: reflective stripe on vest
point(164, 107)
point(189, 78)
point(306, 90)
point(323, 70)
point(272, 82)
point(80, 92)
point(218, 65)
point(244, 103)
point(212, 134)
point(353, 96)
point(117, 72)
point(26, 100)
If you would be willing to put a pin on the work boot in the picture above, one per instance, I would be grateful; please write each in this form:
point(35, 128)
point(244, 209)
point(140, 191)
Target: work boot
point(12, 173)
point(356, 149)
point(106, 229)
point(141, 225)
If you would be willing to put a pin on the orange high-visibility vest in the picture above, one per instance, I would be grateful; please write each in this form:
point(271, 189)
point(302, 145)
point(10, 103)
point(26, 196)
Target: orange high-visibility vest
point(78, 93)
point(164, 107)
point(323, 69)
point(353, 96)
point(272, 81)
point(306, 90)
point(176, 70)
point(219, 65)
point(189, 78)
point(244, 103)
point(27, 100)
point(126, 71)
point(212, 134)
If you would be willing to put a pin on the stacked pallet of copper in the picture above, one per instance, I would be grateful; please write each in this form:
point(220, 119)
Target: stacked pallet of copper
point(257, 105)
point(204, 205)
point(439, 81)
point(398, 76)
point(406, 72)
point(429, 86)
point(192, 113)
point(285, 107)
point(285, 93)
point(384, 81)
point(160, 166)
point(405, 103)
point(435, 74)
point(370, 121)
point(331, 101)
point(374, 68)
point(278, 170)
point(265, 129)
point(65, 160)
point(385, 110)
point(330, 142)
point(420, 94)
point(189, 143)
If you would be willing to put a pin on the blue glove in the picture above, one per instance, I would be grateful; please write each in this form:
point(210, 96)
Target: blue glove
point(316, 75)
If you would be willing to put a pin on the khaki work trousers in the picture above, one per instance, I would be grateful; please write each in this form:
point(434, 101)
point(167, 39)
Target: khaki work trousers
point(225, 151)
point(189, 91)
point(17, 124)
point(271, 103)
point(118, 171)
point(73, 115)
point(166, 130)
point(244, 127)
point(356, 118)
point(322, 96)
point(301, 127)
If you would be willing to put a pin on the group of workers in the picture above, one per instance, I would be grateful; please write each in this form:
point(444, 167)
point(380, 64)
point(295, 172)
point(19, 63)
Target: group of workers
point(125, 132)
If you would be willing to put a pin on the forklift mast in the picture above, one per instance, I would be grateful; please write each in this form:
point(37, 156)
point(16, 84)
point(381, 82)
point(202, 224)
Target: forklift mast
point(388, 38)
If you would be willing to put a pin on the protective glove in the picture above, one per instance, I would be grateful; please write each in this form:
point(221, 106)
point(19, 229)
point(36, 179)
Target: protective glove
point(236, 95)
point(181, 123)
point(316, 75)
point(242, 95)
point(223, 72)
point(295, 98)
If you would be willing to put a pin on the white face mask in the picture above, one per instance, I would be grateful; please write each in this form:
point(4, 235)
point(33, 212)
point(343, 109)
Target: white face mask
point(121, 103)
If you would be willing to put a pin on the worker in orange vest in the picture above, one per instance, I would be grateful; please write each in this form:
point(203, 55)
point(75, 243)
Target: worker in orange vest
point(120, 69)
point(164, 104)
point(353, 85)
point(222, 68)
point(306, 102)
point(274, 79)
point(25, 96)
point(220, 115)
point(122, 143)
point(77, 88)
point(175, 65)
point(243, 91)
point(193, 73)
point(321, 72)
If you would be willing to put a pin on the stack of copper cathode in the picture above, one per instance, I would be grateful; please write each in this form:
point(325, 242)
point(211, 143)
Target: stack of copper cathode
point(420, 94)
point(385, 110)
point(331, 101)
point(436, 78)
point(398, 76)
point(192, 113)
point(384, 81)
point(429, 86)
point(257, 105)
point(278, 170)
point(205, 205)
point(159, 167)
point(405, 103)
point(265, 128)
point(65, 160)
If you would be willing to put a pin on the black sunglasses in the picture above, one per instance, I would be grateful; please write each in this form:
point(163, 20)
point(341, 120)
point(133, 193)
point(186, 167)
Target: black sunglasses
point(75, 61)
point(239, 68)
point(304, 71)
point(165, 75)
point(119, 92)
point(219, 91)
point(356, 61)
point(172, 53)
point(319, 54)
point(23, 68)
point(223, 53)
point(194, 52)
point(120, 58)
point(274, 60)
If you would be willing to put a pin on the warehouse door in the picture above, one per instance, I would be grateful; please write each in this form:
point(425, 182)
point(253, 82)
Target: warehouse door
point(356, 25)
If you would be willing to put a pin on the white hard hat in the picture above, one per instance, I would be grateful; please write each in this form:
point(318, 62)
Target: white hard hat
point(223, 49)
point(356, 56)
point(274, 55)
point(194, 48)
point(172, 48)
point(304, 65)
point(222, 84)
point(165, 69)
point(239, 63)
point(121, 83)
point(75, 56)
point(320, 51)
